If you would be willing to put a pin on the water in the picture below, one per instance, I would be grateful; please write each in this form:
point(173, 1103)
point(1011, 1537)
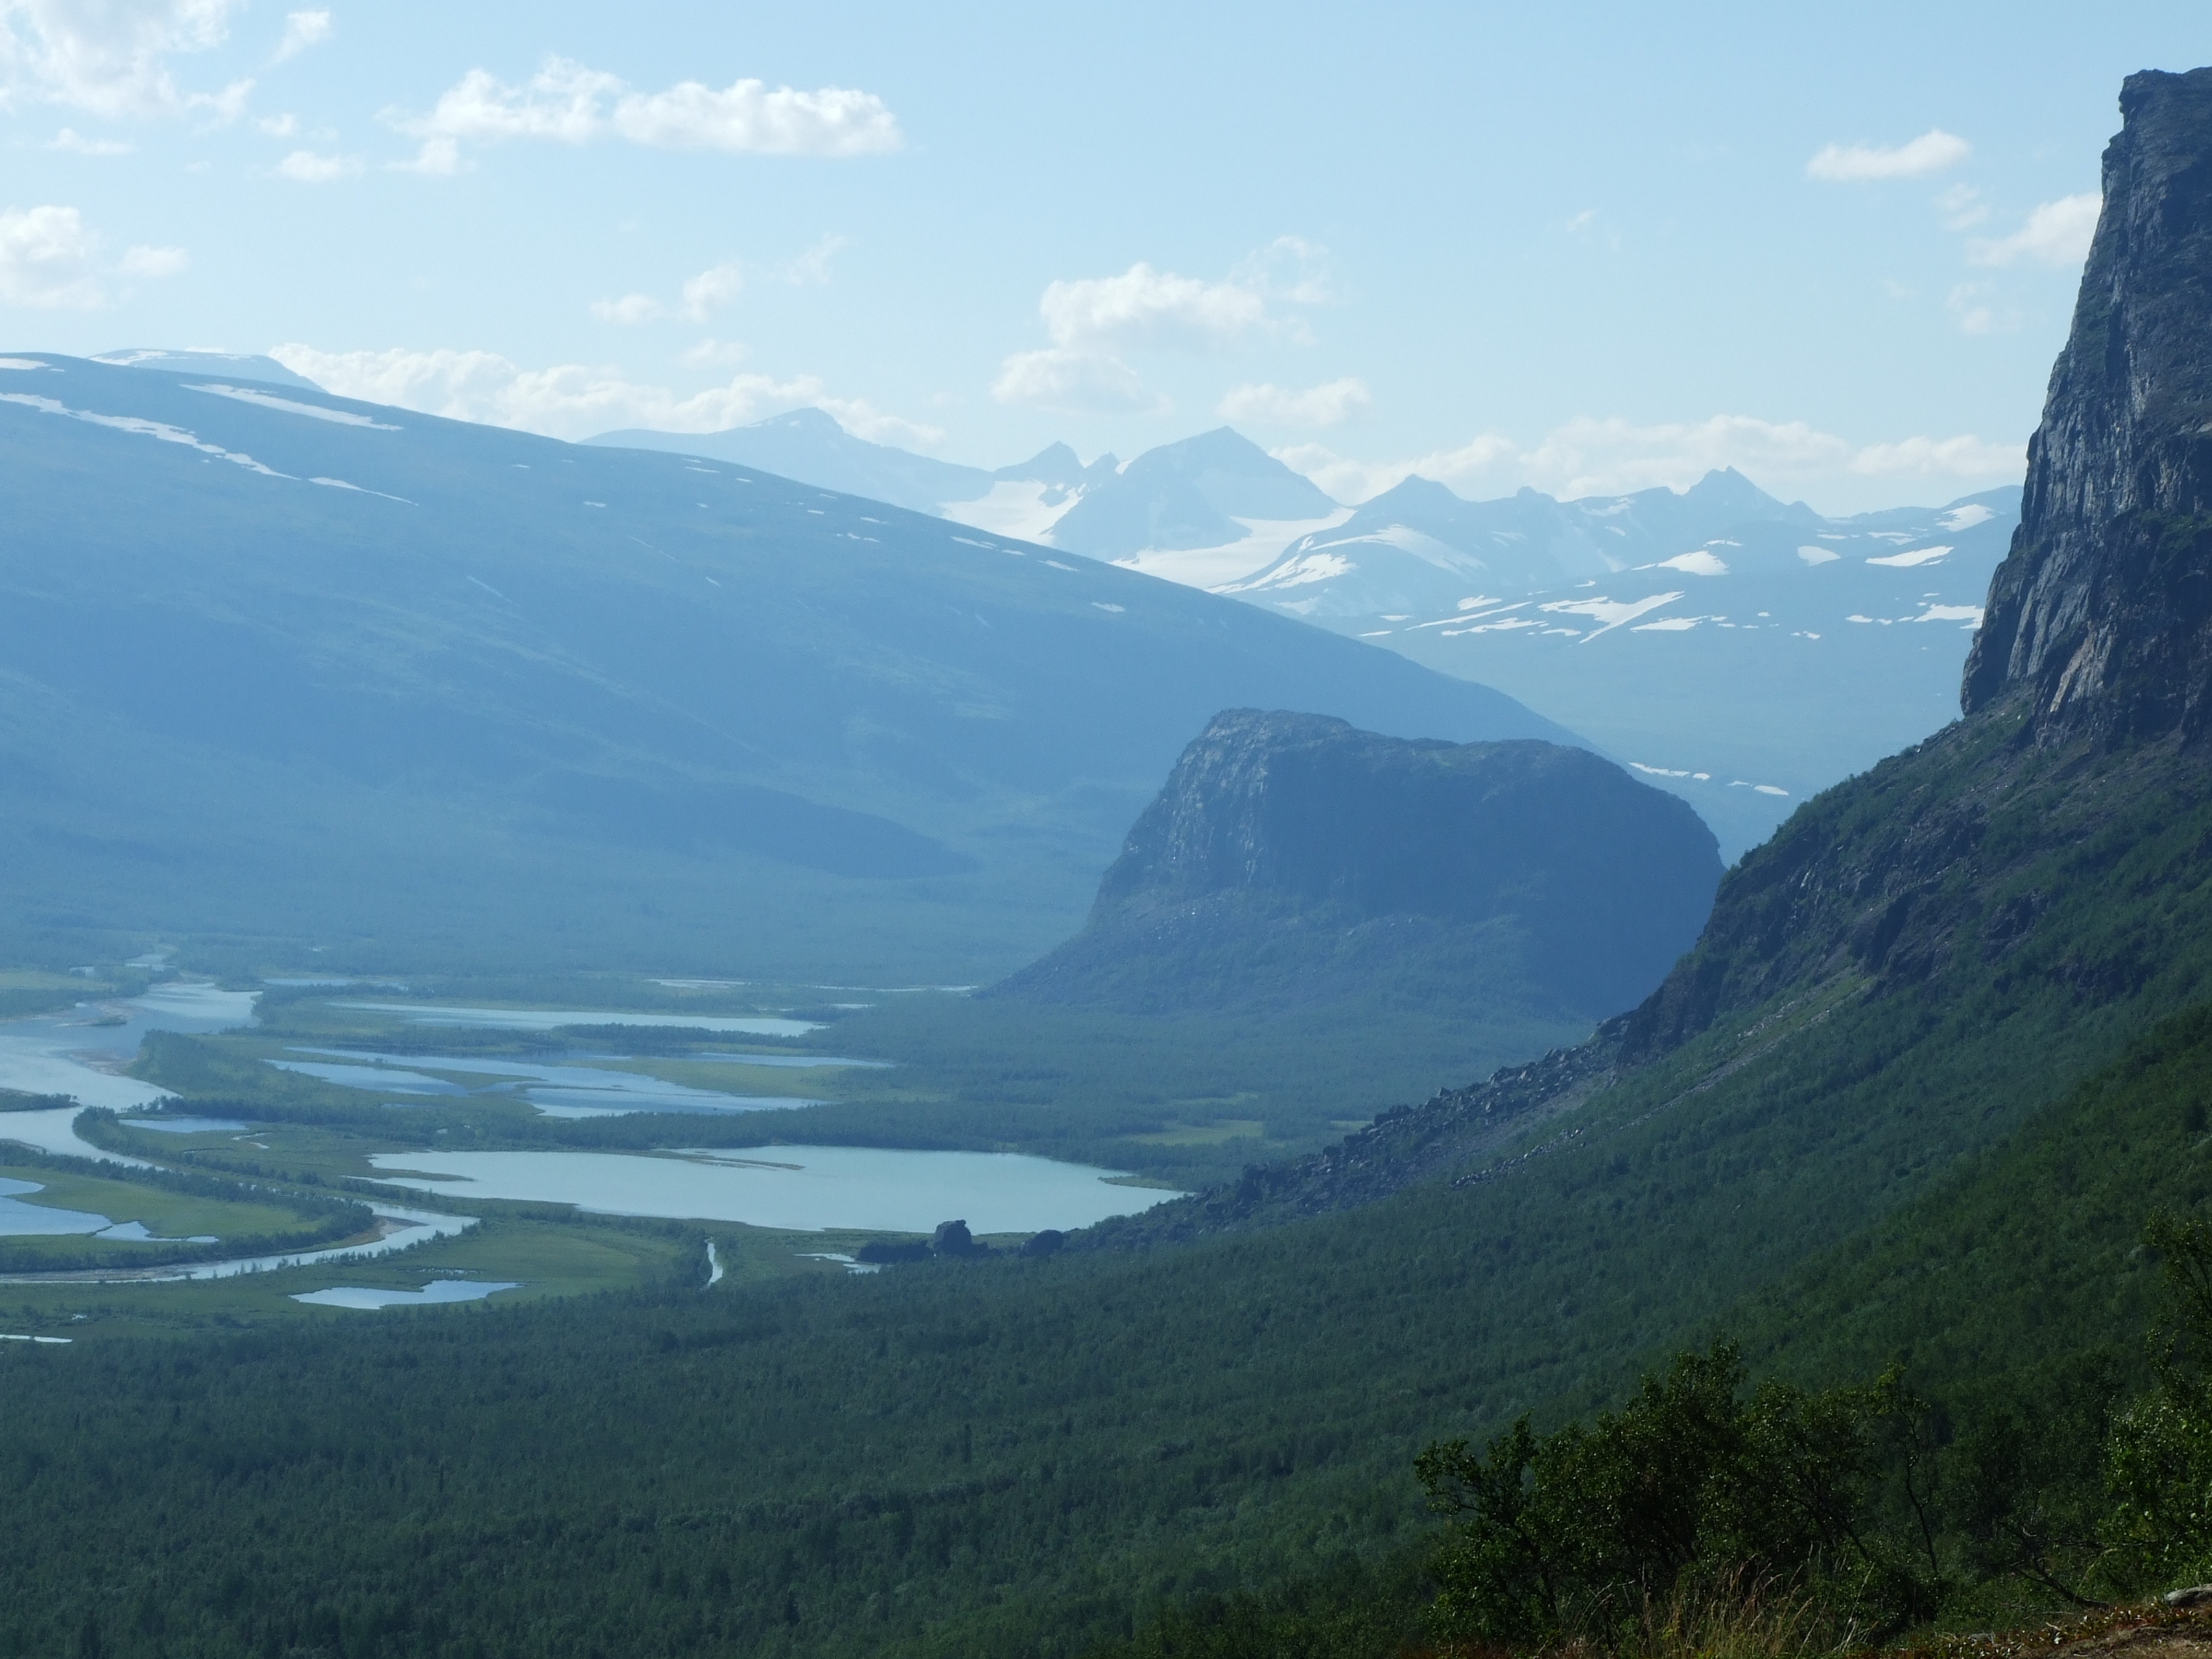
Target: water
point(65, 1053)
point(556, 1089)
point(800, 1188)
point(22, 1220)
point(547, 1019)
point(402, 1229)
point(186, 1126)
point(438, 1290)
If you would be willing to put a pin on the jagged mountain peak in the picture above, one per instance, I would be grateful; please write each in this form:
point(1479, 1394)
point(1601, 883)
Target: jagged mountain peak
point(2101, 614)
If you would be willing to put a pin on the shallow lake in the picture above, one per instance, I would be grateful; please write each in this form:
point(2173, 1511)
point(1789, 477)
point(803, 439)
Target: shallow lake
point(438, 1290)
point(547, 1019)
point(22, 1220)
point(67, 1053)
point(802, 1188)
point(556, 1089)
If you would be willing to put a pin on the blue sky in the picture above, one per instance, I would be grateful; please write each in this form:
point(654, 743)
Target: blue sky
point(1584, 247)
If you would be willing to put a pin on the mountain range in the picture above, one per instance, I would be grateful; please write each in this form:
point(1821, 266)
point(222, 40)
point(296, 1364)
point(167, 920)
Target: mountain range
point(386, 684)
point(1700, 634)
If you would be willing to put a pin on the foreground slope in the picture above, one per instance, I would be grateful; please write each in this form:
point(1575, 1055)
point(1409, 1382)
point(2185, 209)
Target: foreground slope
point(301, 671)
point(1292, 860)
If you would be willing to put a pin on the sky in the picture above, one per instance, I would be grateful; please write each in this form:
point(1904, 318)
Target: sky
point(1584, 248)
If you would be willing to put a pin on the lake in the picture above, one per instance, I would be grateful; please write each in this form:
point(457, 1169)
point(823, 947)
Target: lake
point(66, 1054)
point(547, 1019)
point(556, 1089)
point(438, 1290)
point(800, 1189)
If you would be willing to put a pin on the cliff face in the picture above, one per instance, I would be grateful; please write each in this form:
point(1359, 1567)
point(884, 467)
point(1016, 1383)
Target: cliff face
point(1294, 853)
point(2101, 616)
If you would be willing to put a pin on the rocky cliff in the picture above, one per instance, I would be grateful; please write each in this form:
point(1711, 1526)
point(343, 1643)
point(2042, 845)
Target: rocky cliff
point(2101, 617)
point(1292, 857)
point(1928, 955)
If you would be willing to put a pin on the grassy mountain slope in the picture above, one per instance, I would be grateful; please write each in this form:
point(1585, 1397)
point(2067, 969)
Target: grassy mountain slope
point(432, 693)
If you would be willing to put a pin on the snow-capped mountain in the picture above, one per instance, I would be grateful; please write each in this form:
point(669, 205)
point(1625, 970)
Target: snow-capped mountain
point(1745, 651)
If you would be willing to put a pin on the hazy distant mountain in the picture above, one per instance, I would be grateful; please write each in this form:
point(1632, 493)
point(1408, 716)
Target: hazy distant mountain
point(286, 667)
point(244, 366)
point(808, 446)
point(1745, 650)
point(1745, 653)
point(1291, 860)
point(1187, 495)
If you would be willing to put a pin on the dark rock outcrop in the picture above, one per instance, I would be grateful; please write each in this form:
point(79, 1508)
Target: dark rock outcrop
point(2102, 614)
point(1292, 857)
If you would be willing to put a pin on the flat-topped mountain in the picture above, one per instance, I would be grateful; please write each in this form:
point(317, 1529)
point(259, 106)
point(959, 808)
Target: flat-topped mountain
point(405, 687)
point(1293, 859)
point(1924, 958)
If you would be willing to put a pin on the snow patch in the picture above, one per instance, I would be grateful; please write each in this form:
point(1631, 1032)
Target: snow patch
point(1101, 604)
point(1819, 554)
point(1699, 563)
point(340, 483)
point(1307, 568)
point(159, 429)
point(23, 363)
point(1610, 614)
point(1965, 518)
point(292, 405)
point(1906, 560)
point(1964, 613)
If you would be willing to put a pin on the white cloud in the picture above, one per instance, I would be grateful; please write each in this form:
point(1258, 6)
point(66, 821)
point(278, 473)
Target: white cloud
point(1962, 207)
point(864, 420)
point(1093, 319)
point(1972, 307)
point(1073, 382)
point(1932, 152)
point(304, 166)
point(110, 59)
point(46, 260)
point(631, 310)
point(1143, 307)
point(565, 102)
point(70, 141)
point(1328, 405)
point(573, 400)
point(1963, 457)
point(713, 288)
point(154, 263)
point(302, 30)
point(717, 353)
point(1590, 457)
point(279, 126)
point(811, 268)
point(2056, 233)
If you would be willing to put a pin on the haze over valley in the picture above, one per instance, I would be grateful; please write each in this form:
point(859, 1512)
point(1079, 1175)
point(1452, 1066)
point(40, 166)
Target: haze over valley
point(1509, 958)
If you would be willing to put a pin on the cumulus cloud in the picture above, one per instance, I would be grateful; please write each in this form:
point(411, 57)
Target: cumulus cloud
point(1144, 308)
point(155, 263)
point(864, 420)
point(1073, 382)
point(2056, 233)
point(71, 141)
point(565, 102)
point(1092, 320)
point(1591, 457)
point(50, 259)
point(573, 400)
point(306, 167)
point(1932, 152)
point(112, 59)
point(715, 288)
point(302, 30)
point(1973, 306)
point(46, 260)
point(1328, 405)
